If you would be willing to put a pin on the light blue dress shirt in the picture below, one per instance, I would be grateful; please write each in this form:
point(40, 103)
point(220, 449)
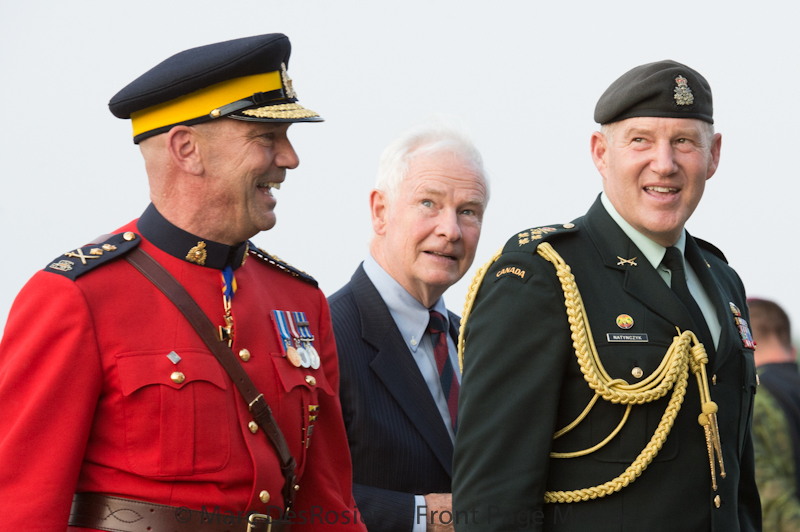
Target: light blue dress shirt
point(411, 318)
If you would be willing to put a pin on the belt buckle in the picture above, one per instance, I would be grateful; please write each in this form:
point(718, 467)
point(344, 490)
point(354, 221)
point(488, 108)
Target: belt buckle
point(255, 523)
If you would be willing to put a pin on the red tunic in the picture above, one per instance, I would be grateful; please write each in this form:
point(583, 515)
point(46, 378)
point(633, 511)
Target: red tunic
point(87, 402)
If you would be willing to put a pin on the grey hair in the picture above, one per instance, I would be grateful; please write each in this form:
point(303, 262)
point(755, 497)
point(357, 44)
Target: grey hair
point(437, 134)
point(607, 131)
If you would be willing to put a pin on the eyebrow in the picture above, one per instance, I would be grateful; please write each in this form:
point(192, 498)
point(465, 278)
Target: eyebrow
point(636, 131)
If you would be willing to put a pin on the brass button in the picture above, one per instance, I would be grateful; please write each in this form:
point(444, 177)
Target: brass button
point(177, 377)
point(714, 379)
point(253, 426)
point(569, 226)
point(758, 381)
point(297, 487)
point(244, 354)
point(311, 380)
point(264, 496)
point(129, 236)
point(717, 501)
point(215, 113)
point(637, 372)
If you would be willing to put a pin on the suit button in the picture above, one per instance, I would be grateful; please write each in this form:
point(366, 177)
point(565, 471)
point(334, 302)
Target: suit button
point(311, 380)
point(253, 426)
point(264, 496)
point(177, 377)
point(714, 379)
point(717, 501)
point(244, 354)
point(637, 372)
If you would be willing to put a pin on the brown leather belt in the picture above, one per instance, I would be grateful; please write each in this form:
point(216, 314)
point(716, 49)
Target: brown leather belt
point(115, 514)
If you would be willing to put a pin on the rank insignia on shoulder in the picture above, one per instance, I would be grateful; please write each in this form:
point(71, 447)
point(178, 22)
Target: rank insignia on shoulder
point(272, 260)
point(536, 235)
point(513, 271)
point(86, 258)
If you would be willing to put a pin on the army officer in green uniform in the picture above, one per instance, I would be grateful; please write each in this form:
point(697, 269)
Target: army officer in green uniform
point(608, 373)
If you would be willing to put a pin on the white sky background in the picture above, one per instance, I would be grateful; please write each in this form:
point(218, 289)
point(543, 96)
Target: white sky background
point(523, 75)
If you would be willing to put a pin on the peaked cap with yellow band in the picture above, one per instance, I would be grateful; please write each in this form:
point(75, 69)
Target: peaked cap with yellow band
point(245, 79)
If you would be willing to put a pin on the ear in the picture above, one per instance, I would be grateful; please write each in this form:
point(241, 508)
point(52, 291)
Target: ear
point(713, 163)
point(184, 149)
point(379, 209)
point(599, 148)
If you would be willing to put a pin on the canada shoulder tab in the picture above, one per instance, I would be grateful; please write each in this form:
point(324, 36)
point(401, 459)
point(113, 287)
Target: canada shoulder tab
point(529, 239)
point(77, 262)
point(275, 262)
point(711, 248)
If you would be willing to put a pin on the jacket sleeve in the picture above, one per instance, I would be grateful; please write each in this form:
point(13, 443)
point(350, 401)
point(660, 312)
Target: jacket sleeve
point(385, 510)
point(517, 347)
point(50, 380)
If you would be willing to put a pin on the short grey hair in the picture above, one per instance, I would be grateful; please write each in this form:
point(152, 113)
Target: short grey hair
point(608, 132)
point(437, 134)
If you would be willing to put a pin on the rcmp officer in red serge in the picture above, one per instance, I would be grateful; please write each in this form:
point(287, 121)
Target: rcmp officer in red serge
point(608, 374)
point(120, 410)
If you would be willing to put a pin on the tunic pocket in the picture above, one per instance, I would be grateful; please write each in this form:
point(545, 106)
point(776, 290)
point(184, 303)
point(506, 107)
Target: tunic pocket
point(300, 407)
point(176, 415)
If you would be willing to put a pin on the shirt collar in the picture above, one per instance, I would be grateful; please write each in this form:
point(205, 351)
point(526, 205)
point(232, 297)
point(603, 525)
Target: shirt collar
point(653, 252)
point(410, 316)
point(175, 241)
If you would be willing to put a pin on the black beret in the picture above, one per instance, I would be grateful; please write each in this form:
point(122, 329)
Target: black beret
point(664, 89)
point(244, 79)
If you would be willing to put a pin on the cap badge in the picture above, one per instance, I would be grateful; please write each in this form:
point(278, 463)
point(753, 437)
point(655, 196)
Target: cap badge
point(624, 321)
point(198, 254)
point(683, 94)
point(287, 82)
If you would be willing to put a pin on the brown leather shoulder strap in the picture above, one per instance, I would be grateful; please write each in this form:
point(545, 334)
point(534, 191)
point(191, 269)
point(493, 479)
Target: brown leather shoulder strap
point(262, 414)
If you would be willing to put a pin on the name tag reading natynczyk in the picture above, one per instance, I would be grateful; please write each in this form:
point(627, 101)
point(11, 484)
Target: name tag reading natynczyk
point(626, 337)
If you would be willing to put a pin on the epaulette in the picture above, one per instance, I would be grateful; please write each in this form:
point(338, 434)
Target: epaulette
point(530, 239)
point(73, 264)
point(711, 248)
point(272, 260)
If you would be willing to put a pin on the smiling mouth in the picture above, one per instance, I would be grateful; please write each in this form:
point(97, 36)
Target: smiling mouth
point(443, 255)
point(267, 187)
point(662, 190)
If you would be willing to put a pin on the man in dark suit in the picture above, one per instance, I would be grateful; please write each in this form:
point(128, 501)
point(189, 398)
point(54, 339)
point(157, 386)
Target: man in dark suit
point(395, 337)
point(608, 364)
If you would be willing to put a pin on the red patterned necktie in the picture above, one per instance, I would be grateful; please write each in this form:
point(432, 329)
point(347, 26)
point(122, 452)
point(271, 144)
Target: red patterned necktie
point(447, 375)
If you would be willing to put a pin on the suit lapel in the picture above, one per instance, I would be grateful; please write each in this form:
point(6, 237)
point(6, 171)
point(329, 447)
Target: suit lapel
point(394, 365)
point(728, 333)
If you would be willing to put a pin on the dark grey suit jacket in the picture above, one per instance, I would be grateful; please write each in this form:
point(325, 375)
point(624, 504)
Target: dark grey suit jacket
point(398, 441)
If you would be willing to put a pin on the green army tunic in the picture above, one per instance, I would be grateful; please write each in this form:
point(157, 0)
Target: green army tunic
point(522, 383)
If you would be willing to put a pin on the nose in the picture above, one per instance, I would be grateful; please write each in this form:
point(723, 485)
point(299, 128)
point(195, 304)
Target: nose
point(663, 162)
point(285, 156)
point(448, 226)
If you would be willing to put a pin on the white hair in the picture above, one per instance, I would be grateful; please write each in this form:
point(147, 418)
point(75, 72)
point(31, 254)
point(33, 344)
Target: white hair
point(438, 134)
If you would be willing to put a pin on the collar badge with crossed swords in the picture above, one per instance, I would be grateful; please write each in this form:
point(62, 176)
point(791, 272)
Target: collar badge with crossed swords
point(629, 262)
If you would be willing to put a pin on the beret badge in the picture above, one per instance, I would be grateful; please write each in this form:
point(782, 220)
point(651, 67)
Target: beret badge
point(683, 94)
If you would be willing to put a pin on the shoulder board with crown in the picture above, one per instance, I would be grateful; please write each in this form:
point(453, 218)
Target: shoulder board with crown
point(711, 248)
point(103, 250)
point(529, 239)
point(272, 260)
